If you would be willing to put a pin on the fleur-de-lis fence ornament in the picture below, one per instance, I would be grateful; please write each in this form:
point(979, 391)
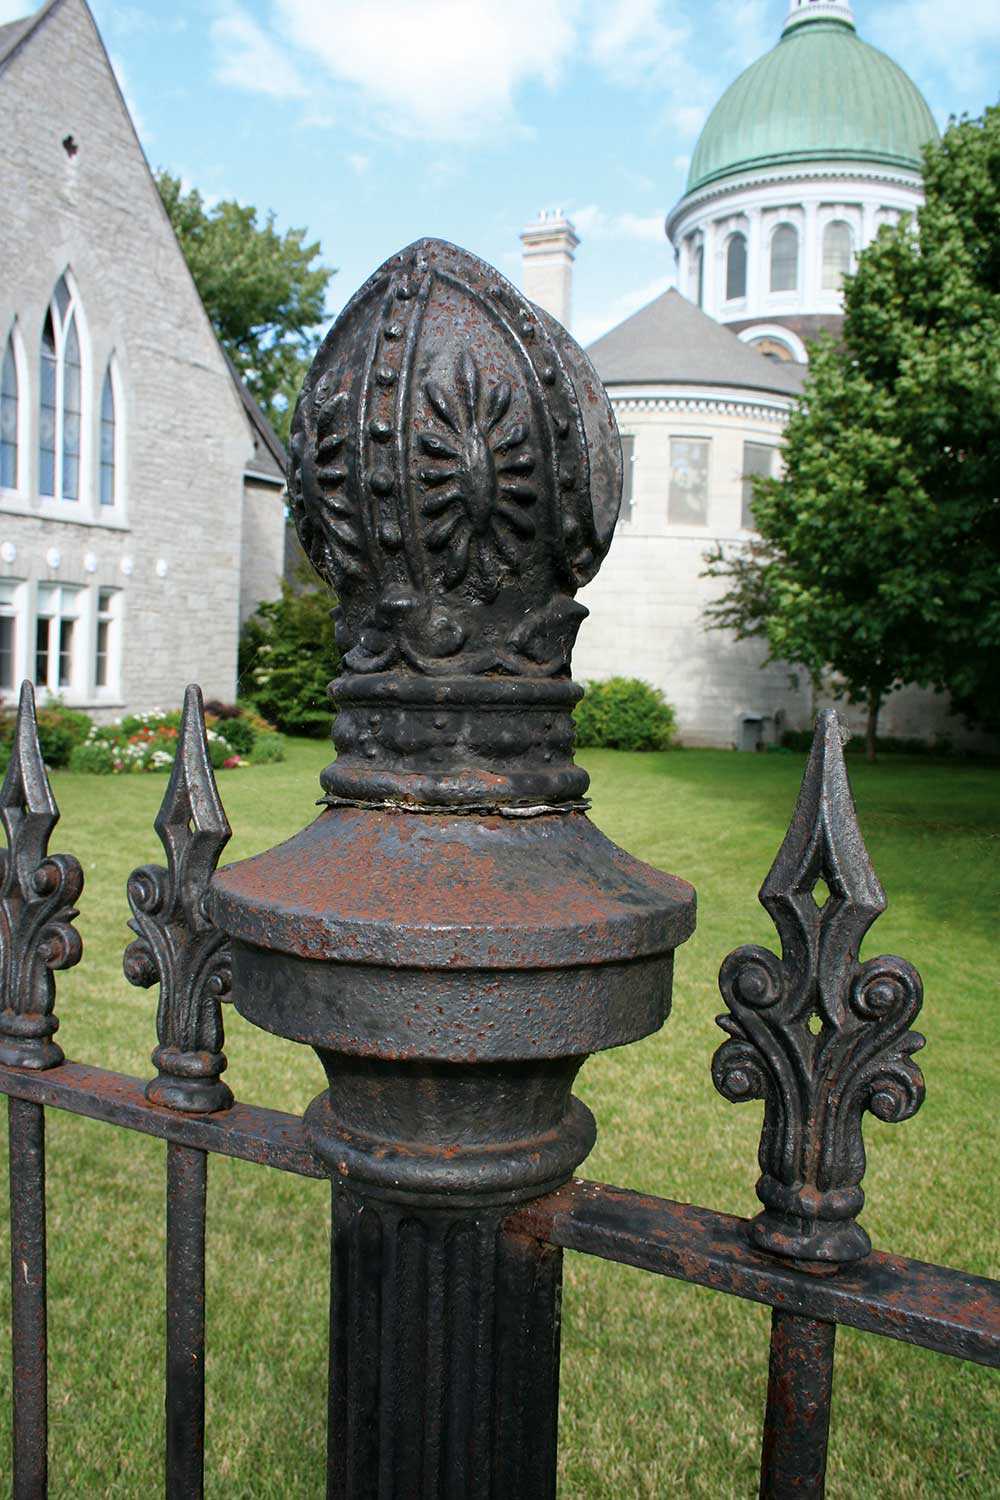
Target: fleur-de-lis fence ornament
point(816, 1034)
point(178, 945)
point(38, 895)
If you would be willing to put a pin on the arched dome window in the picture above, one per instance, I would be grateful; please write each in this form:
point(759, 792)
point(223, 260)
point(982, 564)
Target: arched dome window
point(785, 259)
point(736, 267)
point(61, 396)
point(699, 274)
point(838, 248)
point(9, 394)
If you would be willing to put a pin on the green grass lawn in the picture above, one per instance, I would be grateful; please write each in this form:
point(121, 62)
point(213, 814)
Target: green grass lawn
point(663, 1384)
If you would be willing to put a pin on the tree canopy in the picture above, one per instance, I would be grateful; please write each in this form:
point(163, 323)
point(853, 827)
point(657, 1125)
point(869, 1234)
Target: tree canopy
point(878, 557)
point(264, 291)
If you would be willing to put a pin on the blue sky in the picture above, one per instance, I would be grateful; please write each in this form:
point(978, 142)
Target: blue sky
point(372, 122)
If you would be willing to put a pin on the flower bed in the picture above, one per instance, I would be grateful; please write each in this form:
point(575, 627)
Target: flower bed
point(148, 742)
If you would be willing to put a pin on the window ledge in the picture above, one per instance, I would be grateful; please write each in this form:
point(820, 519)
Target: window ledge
point(12, 504)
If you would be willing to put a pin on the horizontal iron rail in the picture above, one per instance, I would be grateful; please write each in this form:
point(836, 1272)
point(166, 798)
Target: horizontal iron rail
point(948, 1311)
point(265, 1136)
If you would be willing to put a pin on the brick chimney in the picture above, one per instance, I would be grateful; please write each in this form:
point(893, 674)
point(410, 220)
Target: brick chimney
point(549, 244)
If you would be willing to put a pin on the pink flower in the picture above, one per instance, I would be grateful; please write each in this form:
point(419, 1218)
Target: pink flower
point(231, 763)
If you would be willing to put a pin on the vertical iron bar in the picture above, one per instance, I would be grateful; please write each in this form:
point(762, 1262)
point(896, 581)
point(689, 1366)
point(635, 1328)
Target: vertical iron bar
point(797, 1422)
point(28, 1299)
point(187, 1181)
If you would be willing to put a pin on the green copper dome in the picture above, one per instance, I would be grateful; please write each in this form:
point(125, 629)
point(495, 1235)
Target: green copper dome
point(820, 94)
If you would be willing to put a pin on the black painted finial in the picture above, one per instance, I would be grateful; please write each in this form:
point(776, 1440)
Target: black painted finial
point(38, 896)
point(816, 1034)
point(178, 945)
point(455, 476)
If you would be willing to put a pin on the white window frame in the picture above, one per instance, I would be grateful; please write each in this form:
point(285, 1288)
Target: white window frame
point(116, 510)
point(58, 603)
point(627, 513)
point(13, 601)
point(109, 691)
point(747, 475)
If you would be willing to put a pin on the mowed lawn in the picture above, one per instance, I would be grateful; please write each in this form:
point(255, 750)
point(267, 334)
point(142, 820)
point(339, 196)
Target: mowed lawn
point(663, 1384)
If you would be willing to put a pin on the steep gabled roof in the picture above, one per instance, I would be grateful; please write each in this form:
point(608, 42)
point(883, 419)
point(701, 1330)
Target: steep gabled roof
point(16, 32)
point(269, 457)
point(672, 342)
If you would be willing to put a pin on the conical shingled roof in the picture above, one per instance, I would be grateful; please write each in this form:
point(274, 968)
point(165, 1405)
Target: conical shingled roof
point(672, 342)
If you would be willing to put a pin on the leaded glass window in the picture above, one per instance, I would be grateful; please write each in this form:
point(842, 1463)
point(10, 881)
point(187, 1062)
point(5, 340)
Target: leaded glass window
point(60, 399)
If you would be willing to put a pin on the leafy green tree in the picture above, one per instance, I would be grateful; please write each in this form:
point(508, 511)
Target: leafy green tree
point(878, 557)
point(263, 291)
point(288, 656)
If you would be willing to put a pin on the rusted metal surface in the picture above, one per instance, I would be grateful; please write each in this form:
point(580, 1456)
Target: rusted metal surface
point(816, 1034)
point(38, 892)
point(187, 1184)
point(178, 946)
point(444, 1368)
point(452, 935)
point(29, 1332)
point(949, 1311)
point(797, 1419)
point(264, 1136)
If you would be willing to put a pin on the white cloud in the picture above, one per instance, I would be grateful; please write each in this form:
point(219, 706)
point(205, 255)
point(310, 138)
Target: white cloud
point(441, 69)
point(956, 41)
point(590, 327)
point(247, 57)
point(593, 223)
point(631, 40)
point(14, 10)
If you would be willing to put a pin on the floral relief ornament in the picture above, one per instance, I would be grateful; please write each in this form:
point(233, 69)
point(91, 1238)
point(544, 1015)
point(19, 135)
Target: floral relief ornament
point(455, 472)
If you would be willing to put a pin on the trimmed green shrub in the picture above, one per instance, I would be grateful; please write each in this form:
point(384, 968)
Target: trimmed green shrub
point(267, 749)
point(624, 714)
point(238, 732)
point(94, 756)
point(288, 656)
point(59, 730)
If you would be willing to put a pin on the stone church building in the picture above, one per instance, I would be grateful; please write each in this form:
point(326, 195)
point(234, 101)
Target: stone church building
point(141, 510)
point(807, 154)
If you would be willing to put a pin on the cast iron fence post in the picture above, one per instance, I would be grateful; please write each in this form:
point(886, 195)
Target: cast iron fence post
point(452, 934)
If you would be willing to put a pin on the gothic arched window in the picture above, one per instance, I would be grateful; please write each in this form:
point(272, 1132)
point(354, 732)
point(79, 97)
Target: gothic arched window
point(109, 455)
point(61, 398)
point(736, 267)
point(785, 259)
point(838, 247)
point(9, 418)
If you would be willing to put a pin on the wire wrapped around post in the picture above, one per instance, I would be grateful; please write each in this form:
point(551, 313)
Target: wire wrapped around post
point(816, 1034)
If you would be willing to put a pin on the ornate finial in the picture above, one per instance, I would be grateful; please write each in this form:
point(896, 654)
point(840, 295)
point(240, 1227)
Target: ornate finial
point(456, 477)
point(819, 1036)
point(38, 895)
point(178, 945)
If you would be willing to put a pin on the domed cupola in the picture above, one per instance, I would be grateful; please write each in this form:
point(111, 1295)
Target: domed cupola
point(806, 155)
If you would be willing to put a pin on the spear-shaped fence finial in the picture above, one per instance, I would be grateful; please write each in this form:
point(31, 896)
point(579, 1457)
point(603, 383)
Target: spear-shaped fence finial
point(816, 1034)
point(38, 895)
point(178, 945)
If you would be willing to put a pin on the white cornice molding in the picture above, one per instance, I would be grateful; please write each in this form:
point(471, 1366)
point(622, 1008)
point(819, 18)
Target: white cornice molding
point(760, 410)
point(807, 172)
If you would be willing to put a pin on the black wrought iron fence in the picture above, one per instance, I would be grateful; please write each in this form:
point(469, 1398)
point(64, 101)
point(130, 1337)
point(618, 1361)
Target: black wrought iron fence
point(454, 937)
